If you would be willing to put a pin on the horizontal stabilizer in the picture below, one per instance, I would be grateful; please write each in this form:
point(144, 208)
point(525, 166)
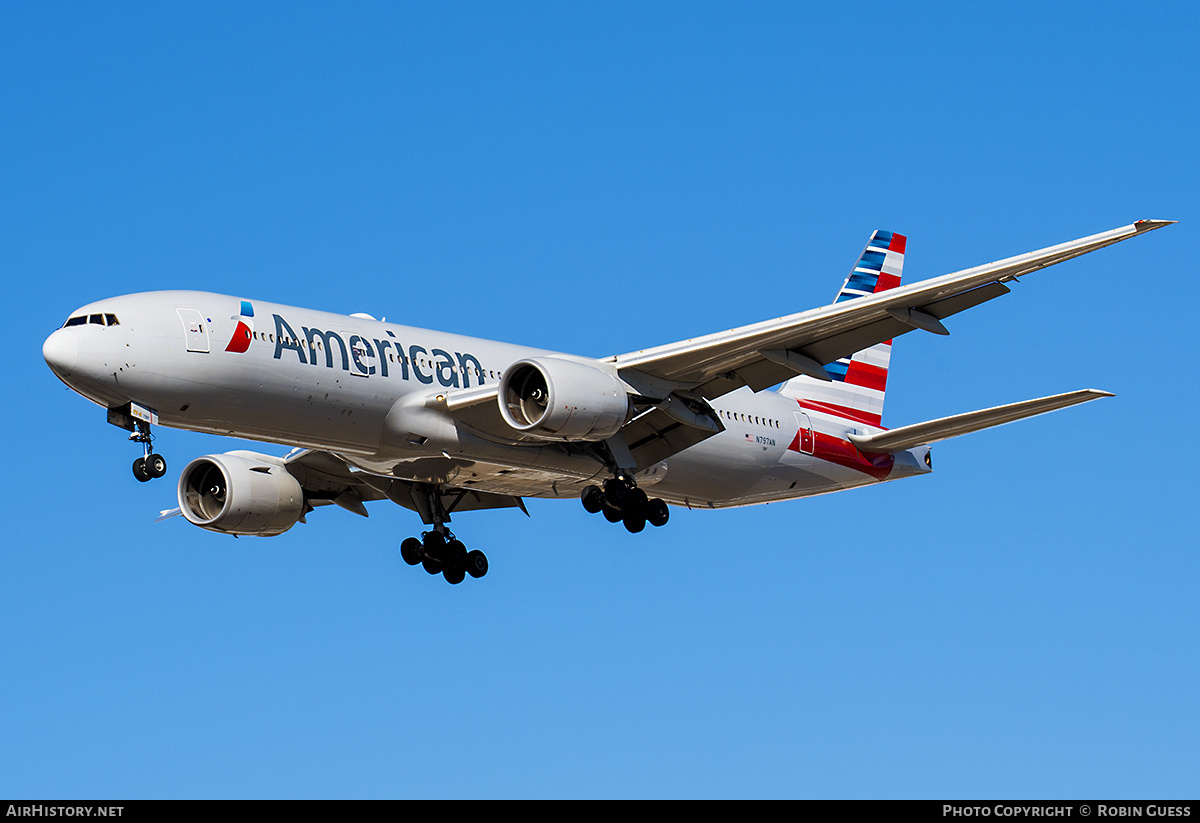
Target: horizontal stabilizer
point(923, 434)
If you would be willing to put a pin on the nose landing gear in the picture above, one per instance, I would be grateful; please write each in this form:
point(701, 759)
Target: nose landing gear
point(622, 501)
point(149, 465)
point(137, 420)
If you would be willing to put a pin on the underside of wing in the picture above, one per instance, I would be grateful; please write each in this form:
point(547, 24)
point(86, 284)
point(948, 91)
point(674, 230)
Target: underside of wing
point(327, 478)
point(656, 435)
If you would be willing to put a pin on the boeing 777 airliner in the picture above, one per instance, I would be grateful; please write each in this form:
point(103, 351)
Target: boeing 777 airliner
point(441, 423)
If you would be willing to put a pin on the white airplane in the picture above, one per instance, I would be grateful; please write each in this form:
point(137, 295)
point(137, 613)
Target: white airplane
point(441, 423)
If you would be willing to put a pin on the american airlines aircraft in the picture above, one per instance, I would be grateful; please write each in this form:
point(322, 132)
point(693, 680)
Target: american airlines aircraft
point(441, 423)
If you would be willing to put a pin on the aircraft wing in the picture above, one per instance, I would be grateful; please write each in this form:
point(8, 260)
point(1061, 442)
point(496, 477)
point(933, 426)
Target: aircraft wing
point(672, 383)
point(763, 354)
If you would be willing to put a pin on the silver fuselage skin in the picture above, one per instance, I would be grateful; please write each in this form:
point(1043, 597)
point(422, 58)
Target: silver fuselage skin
point(360, 389)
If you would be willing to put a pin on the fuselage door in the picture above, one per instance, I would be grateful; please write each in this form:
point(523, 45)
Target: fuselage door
point(195, 329)
point(362, 354)
point(806, 432)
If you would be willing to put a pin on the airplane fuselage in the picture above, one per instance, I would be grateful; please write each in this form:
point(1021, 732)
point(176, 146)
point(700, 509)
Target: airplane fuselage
point(366, 391)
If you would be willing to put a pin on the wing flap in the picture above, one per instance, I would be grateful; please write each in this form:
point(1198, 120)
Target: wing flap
point(326, 478)
point(656, 435)
point(962, 301)
point(932, 431)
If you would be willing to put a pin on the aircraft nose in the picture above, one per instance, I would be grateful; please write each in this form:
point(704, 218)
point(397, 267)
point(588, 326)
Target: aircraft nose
point(61, 351)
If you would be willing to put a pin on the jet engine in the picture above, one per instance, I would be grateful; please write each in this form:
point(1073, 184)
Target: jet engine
point(240, 493)
point(554, 398)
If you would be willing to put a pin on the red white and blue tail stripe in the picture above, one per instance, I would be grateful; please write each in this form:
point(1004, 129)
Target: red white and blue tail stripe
point(860, 380)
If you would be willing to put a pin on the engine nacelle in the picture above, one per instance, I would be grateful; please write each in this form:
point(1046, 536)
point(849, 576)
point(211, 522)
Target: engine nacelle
point(558, 399)
point(240, 493)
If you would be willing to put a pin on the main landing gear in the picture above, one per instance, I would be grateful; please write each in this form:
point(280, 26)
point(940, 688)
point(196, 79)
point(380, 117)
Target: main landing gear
point(621, 500)
point(150, 465)
point(439, 552)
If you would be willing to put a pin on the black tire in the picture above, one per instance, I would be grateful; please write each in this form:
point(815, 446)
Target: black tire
point(139, 470)
point(634, 523)
point(657, 512)
point(430, 565)
point(616, 492)
point(456, 555)
point(611, 513)
point(434, 543)
point(477, 565)
point(156, 465)
point(593, 499)
point(637, 502)
point(454, 576)
point(410, 550)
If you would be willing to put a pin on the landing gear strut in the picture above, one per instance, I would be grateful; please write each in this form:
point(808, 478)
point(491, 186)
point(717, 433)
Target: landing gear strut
point(438, 550)
point(622, 501)
point(149, 465)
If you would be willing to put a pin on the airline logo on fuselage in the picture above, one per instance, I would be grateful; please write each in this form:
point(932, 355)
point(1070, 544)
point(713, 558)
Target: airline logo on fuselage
point(366, 356)
point(242, 335)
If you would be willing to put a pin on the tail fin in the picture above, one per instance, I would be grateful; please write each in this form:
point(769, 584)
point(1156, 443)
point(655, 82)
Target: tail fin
point(859, 381)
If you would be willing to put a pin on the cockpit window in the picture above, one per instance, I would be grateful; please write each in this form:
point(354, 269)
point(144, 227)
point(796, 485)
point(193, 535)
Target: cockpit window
point(93, 319)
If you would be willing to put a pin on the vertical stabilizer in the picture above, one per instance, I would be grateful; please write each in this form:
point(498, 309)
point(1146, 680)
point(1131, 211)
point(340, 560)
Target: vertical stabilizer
point(860, 380)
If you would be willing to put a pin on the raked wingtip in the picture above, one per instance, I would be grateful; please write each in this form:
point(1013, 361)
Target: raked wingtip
point(1151, 225)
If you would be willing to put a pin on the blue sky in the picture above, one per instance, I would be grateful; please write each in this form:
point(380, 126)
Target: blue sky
point(596, 179)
